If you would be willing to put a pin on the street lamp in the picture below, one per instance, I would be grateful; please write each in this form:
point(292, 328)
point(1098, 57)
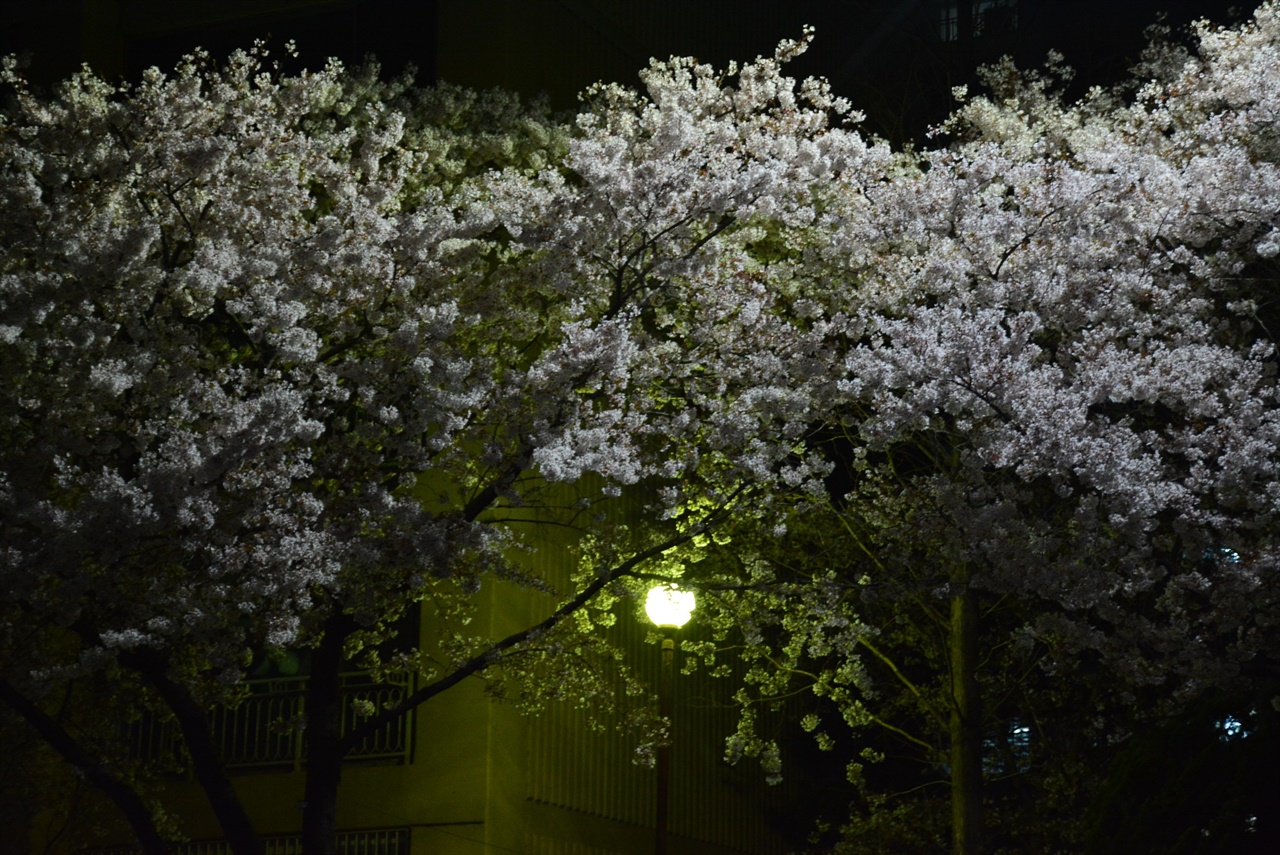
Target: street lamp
point(669, 608)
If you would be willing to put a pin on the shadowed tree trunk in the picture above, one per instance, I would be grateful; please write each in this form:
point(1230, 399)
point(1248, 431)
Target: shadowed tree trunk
point(205, 754)
point(324, 741)
point(966, 722)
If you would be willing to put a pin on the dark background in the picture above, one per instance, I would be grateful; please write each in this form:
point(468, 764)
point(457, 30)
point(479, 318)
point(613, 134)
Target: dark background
point(895, 59)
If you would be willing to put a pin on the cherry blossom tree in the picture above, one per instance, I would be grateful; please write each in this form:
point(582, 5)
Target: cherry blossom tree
point(286, 356)
point(1054, 398)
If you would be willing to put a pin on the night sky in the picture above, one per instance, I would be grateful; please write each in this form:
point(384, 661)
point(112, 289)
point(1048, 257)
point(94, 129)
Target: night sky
point(885, 55)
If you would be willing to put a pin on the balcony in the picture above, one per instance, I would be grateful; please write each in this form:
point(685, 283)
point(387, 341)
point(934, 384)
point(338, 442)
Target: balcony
point(264, 731)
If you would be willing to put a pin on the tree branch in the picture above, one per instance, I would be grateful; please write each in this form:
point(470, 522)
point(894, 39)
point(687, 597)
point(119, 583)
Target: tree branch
point(135, 811)
point(902, 678)
point(494, 653)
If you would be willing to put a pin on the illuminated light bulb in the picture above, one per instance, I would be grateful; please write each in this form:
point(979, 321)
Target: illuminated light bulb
point(668, 606)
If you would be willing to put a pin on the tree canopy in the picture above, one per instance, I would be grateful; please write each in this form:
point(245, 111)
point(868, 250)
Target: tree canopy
point(953, 441)
point(1053, 417)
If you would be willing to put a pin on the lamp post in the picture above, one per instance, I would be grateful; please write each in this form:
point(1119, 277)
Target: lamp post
point(669, 608)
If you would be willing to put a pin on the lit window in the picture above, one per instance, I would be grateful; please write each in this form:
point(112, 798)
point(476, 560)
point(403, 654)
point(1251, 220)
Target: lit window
point(1009, 751)
point(1231, 729)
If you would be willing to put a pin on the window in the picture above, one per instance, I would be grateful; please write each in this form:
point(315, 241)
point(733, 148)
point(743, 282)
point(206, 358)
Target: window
point(1008, 750)
point(988, 18)
point(1231, 728)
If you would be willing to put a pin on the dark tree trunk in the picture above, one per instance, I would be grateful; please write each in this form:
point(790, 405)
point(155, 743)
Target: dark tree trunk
point(324, 742)
point(135, 811)
point(965, 724)
point(206, 761)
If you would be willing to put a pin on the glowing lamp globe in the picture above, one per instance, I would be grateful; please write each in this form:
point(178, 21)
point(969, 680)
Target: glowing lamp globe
point(668, 606)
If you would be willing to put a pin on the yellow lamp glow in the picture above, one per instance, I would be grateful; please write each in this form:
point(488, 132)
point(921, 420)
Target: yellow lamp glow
point(668, 606)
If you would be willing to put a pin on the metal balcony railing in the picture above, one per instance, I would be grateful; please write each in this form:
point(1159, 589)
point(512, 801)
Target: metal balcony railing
point(265, 729)
point(381, 841)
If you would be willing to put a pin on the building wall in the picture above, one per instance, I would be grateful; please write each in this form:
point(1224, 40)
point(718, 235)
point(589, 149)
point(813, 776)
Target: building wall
point(481, 777)
point(561, 787)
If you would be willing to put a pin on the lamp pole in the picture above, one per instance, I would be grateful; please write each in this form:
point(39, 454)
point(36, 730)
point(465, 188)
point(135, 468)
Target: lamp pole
point(669, 608)
point(665, 681)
